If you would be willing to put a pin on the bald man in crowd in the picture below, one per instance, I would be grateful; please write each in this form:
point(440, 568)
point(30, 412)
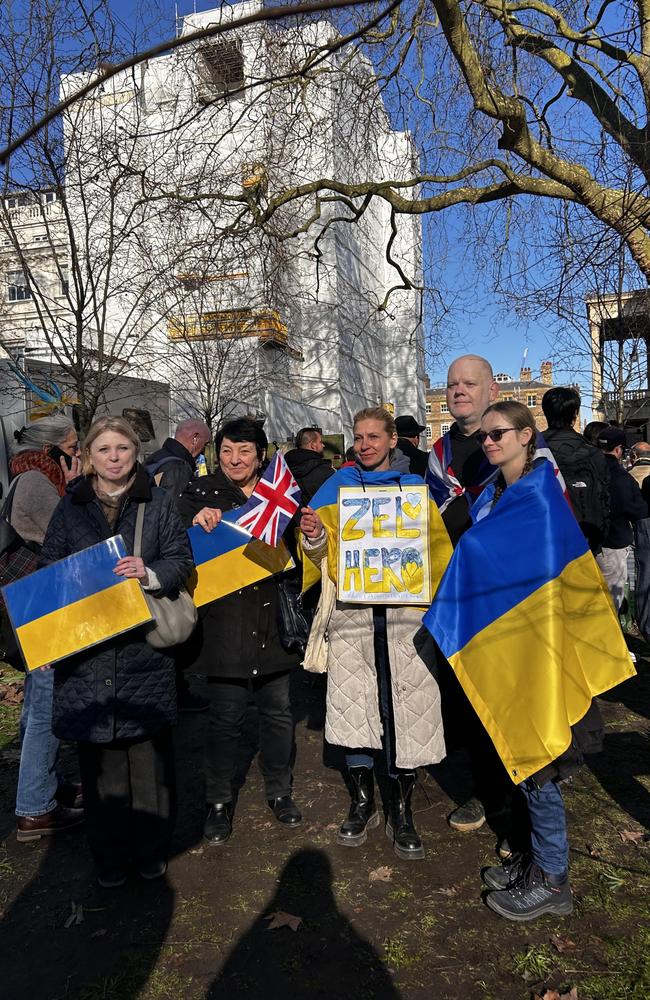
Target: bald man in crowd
point(458, 472)
point(173, 465)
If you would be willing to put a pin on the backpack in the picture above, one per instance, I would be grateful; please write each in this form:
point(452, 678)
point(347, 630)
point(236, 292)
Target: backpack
point(156, 470)
point(587, 487)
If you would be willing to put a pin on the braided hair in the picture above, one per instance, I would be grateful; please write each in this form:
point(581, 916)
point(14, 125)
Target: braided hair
point(520, 417)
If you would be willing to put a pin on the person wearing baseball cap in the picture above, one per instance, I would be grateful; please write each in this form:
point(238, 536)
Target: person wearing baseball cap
point(627, 506)
point(409, 430)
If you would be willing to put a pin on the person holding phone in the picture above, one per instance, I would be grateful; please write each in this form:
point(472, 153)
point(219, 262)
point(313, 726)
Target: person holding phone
point(45, 460)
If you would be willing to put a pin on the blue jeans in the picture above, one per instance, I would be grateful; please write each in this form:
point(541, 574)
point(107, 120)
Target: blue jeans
point(37, 777)
point(547, 827)
point(360, 757)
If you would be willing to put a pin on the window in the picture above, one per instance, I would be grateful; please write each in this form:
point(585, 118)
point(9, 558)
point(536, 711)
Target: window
point(65, 283)
point(429, 434)
point(428, 408)
point(220, 70)
point(17, 287)
point(507, 397)
point(48, 197)
point(17, 201)
point(531, 399)
point(444, 408)
point(444, 428)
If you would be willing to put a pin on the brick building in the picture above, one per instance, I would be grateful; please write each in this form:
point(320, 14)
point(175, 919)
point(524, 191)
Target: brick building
point(525, 389)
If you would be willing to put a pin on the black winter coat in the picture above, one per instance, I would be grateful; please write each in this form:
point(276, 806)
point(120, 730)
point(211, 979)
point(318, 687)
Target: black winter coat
point(122, 688)
point(237, 636)
point(175, 464)
point(309, 470)
point(627, 505)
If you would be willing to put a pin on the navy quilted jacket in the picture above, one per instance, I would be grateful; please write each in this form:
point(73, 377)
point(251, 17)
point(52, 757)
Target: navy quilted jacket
point(122, 688)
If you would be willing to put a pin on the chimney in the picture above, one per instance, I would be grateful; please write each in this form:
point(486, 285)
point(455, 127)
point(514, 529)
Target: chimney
point(547, 372)
point(525, 375)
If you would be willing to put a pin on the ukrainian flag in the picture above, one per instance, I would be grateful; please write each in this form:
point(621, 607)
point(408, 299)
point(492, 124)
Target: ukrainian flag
point(326, 502)
point(228, 559)
point(73, 604)
point(525, 619)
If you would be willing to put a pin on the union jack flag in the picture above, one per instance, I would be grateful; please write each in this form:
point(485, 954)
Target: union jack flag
point(273, 503)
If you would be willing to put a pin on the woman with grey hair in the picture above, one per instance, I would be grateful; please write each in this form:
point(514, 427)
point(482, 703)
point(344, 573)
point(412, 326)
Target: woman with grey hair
point(45, 460)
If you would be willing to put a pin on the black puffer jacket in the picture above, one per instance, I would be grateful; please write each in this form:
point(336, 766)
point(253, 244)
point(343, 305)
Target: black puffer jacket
point(237, 636)
point(122, 688)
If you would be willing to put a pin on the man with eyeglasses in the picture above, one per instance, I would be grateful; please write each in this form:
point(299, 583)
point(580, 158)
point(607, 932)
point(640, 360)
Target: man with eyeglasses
point(458, 472)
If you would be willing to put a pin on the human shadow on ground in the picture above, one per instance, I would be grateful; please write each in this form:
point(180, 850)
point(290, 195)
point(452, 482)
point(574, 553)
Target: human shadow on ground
point(117, 941)
point(626, 753)
point(324, 957)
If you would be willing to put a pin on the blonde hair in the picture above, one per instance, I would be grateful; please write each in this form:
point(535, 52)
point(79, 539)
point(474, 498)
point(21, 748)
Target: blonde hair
point(377, 413)
point(118, 425)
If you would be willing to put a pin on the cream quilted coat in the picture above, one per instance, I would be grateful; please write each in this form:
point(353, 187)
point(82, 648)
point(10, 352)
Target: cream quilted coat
point(342, 642)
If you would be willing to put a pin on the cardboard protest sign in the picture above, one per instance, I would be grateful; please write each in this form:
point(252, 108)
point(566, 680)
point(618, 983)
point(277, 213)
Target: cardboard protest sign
point(383, 545)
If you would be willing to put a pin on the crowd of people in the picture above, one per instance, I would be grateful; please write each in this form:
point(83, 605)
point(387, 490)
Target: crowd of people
point(393, 702)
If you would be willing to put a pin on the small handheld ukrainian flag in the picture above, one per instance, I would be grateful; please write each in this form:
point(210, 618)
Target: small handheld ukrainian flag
point(525, 619)
point(73, 604)
point(229, 558)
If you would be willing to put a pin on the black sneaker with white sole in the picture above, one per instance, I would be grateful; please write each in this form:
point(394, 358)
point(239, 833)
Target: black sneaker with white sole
point(532, 895)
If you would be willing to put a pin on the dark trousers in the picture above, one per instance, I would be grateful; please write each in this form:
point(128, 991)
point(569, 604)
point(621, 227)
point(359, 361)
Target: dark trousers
point(229, 699)
point(129, 789)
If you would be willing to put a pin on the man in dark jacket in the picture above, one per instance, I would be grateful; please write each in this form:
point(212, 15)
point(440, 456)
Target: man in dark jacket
point(309, 468)
point(583, 466)
point(627, 505)
point(172, 467)
point(409, 431)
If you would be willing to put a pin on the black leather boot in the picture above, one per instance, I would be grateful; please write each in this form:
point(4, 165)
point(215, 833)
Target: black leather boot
point(362, 816)
point(218, 823)
point(400, 828)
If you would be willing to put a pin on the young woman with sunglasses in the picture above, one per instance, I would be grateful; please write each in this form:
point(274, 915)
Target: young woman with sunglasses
point(535, 882)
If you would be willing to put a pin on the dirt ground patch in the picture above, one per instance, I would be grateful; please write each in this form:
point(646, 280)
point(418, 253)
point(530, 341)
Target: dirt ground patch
point(412, 931)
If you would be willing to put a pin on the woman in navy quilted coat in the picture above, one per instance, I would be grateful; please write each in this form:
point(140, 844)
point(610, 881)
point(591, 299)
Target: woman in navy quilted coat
point(118, 699)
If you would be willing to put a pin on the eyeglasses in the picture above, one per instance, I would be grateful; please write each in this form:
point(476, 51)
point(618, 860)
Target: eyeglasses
point(494, 435)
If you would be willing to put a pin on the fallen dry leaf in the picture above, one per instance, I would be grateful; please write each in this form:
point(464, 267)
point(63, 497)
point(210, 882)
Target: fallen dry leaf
point(383, 874)
point(12, 694)
point(448, 890)
point(280, 919)
point(593, 851)
point(632, 836)
point(562, 944)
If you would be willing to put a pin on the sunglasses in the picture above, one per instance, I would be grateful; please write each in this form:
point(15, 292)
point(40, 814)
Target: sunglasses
point(494, 435)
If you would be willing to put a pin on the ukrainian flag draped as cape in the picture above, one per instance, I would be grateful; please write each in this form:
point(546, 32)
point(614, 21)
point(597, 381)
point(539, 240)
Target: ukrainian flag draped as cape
point(524, 617)
point(326, 502)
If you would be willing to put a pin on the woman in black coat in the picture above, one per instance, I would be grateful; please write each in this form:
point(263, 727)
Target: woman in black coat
point(238, 647)
point(118, 699)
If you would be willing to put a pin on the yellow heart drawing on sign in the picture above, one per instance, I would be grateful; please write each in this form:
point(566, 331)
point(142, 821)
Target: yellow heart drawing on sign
point(412, 510)
point(413, 577)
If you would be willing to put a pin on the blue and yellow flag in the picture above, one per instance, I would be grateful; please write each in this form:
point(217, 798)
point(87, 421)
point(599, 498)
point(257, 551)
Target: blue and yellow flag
point(228, 559)
point(73, 604)
point(525, 619)
point(325, 501)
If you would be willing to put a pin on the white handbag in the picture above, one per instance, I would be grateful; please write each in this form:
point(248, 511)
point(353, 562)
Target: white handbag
point(316, 652)
point(174, 618)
